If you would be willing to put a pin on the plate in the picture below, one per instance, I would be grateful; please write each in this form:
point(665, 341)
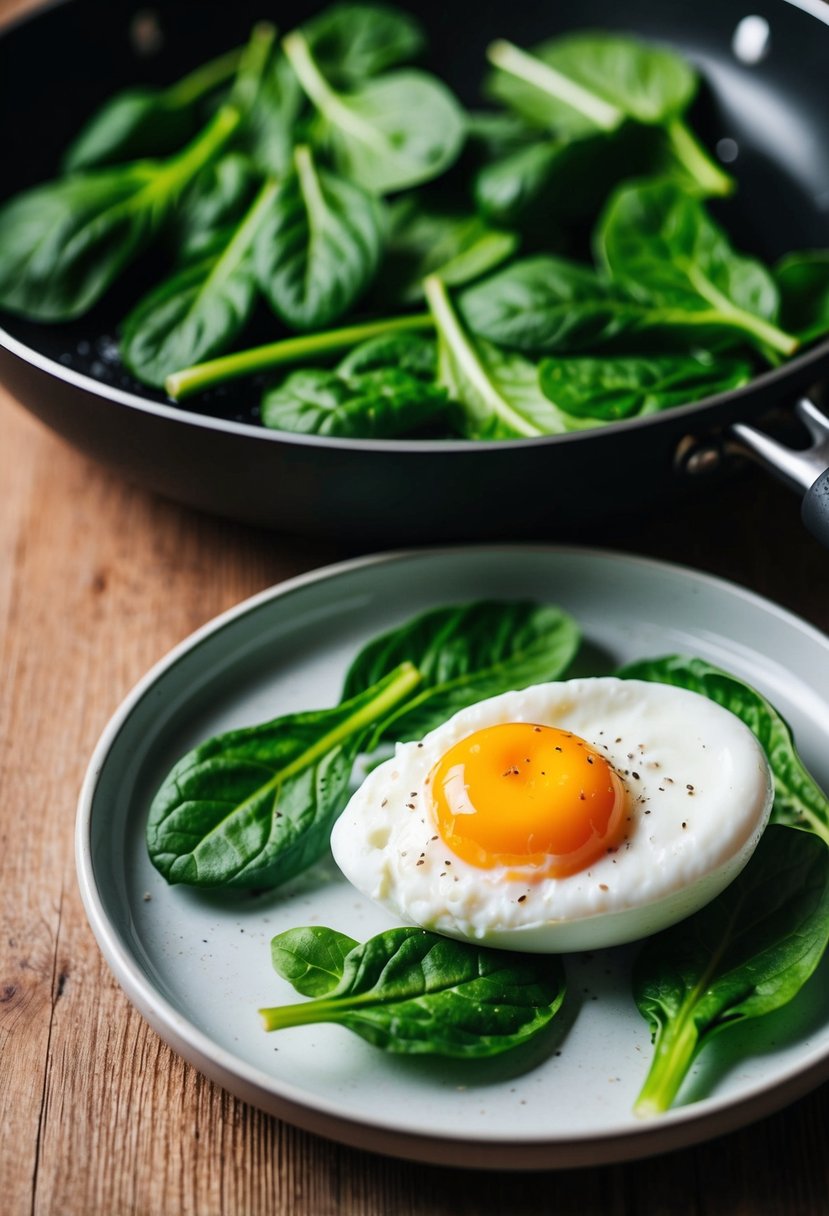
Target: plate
point(197, 965)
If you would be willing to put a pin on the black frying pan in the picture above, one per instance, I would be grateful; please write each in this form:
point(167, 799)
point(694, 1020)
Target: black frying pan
point(58, 65)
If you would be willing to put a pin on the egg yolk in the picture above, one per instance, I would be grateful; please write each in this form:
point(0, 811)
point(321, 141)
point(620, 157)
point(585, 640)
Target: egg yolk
point(527, 795)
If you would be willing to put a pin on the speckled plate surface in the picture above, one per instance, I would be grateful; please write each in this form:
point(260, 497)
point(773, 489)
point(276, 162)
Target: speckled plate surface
point(198, 966)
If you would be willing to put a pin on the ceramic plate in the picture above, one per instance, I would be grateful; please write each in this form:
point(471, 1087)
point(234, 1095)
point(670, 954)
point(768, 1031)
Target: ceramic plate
point(198, 966)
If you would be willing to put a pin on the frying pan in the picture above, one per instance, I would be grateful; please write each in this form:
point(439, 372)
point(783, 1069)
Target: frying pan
point(767, 92)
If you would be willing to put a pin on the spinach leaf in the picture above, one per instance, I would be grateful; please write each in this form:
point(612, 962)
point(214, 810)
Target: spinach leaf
point(610, 389)
point(798, 800)
point(272, 117)
point(409, 352)
point(319, 246)
point(592, 81)
point(63, 244)
point(803, 282)
point(147, 122)
point(465, 653)
point(351, 42)
point(424, 239)
point(663, 248)
point(200, 310)
point(414, 992)
point(255, 806)
point(552, 183)
point(383, 403)
point(545, 304)
point(747, 953)
point(498, 389)
point(311, 959)
point(212, 207)
point(394, 131)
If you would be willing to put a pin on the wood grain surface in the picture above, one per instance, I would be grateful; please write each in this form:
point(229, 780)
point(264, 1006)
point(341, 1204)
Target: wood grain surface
point(98, 579)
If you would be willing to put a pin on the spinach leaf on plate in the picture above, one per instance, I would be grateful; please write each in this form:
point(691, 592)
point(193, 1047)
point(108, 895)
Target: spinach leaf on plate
point(254, 807)
point(311, 959)
point(413, 992)
point(393, 131)
point(589, 81)
point(798, 800)
point(803, 282)
point(319, 245)
point(611, 389)
point(662, 247)
point(465, 653)
point(498, 390)
point(200, 310)
point(745, 954)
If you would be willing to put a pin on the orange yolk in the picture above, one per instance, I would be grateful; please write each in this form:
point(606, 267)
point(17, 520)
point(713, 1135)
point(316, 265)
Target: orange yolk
point(518, 794)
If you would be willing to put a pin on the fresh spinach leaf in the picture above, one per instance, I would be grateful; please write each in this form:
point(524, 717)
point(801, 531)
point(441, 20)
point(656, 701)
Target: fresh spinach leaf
point(319, 246)
point(545, 187)
point(383, 403)
point(803, 282)
point(798, 800)
point(465, 653)
point(311, 959)
point(409, 991)
point(63, 244)
point(254, 807)
point(745, 954)
point(407, 351)
point(610, 389)
point(272, 117)
point(210, 210)
point(424, 239)
point(200, 310)
point(545, 304)
point(146, 122)
point(592, 81)
point(499, 390)
point(352, 42)
point(662, 247)
point(394, 131)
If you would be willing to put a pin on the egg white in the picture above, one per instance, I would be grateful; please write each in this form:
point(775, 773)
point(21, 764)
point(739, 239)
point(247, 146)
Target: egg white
point(699, 796)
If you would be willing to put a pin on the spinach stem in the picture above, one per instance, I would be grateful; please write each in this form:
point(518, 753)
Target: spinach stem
point(326, 99)
point(515, 62)
point(672, 1059)
point(205, 78)
point(252, 64)
point(692, 156)
point(730, 314)
point(202, 376)
point(463, 350)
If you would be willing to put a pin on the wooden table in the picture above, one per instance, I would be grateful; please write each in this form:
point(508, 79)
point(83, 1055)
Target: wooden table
point(97, 1117)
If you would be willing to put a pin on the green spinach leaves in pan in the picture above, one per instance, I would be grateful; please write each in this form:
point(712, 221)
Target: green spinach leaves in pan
point(324, 186)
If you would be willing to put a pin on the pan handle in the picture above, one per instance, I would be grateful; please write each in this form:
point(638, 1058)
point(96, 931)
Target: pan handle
point(806, 470)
